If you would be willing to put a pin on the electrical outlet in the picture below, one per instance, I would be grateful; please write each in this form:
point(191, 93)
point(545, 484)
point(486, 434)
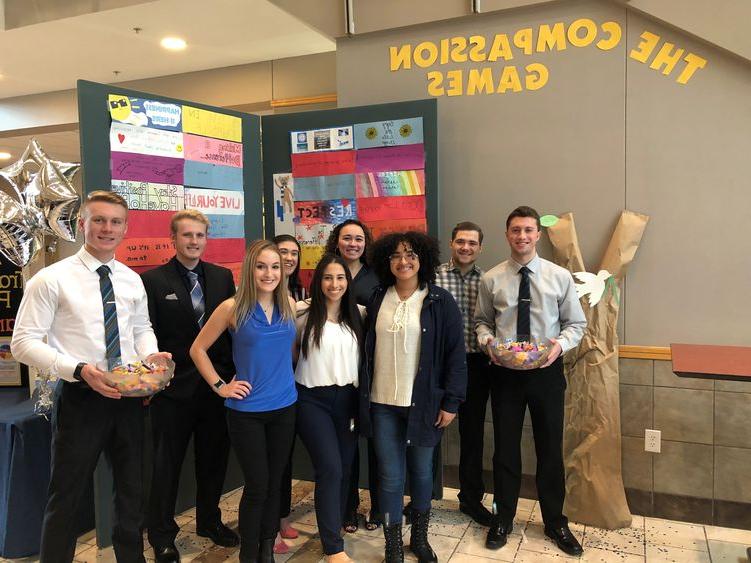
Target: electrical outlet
point(652, 441)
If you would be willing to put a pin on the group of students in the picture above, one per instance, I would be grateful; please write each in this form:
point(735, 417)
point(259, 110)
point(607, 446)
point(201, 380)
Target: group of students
point(375, 348)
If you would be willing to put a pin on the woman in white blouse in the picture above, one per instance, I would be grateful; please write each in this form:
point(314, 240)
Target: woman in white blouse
point(329, 332)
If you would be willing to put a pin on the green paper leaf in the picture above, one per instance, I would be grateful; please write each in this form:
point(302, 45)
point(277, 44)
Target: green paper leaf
point(548, 220)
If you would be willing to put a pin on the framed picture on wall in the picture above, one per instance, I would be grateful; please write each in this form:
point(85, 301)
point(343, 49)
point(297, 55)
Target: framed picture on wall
point(10, 369)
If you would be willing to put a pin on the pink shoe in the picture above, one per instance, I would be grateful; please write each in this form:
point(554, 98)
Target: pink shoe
point(280, 547)
point(289, 533)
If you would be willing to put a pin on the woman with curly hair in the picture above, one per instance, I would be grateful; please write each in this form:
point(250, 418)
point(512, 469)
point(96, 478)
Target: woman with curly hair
point(414, 379)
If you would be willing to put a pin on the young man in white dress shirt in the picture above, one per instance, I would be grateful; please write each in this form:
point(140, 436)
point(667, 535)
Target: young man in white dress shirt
point(529, 298)
point(76, 317)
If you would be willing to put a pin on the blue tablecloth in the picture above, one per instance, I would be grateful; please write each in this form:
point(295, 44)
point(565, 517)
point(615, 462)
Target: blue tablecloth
point(25, 439)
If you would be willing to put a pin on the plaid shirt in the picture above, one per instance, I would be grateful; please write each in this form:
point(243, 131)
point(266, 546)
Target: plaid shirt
point(464, 288)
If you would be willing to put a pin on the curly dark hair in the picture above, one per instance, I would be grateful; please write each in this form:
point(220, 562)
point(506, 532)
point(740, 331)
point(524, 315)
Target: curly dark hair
point(426, 248)
point(332, 245)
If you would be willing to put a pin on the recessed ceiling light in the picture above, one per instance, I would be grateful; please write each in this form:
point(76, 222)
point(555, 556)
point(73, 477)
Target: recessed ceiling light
point(5, 155)
point(174, 43)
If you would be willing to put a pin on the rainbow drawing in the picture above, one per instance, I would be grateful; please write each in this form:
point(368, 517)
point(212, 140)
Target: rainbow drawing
point(385, 184)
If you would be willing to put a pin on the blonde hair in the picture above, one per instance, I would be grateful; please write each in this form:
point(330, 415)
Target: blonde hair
point(192, 214)
point(106, 197)
point(247, 296)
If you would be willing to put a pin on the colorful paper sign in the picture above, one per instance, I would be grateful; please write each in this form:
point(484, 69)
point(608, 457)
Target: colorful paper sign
point(395, 183)
point(142, 251)
point(145, 140)
point(384, 208)
point(223, 250)
point(325, 187)
point(205, 175)
point(332, 211)
point(213, 151)
point(157, 197)
point(226, 226)
point(380, 228)
point(284, 204)
point(314, 234)
point(323, 163)
point(212, 124)
point(388, 133)
point(149, 223)
point(144, 113)
point(215, 202)
point(310, 256)
point(402, 157)
point(146, 168)
point(334, 139)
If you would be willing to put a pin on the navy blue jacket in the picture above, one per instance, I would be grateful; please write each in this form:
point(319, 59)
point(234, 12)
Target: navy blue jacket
point(441, 380)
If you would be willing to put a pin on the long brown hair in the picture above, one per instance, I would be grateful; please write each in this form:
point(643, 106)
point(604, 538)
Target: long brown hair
point(246, 296)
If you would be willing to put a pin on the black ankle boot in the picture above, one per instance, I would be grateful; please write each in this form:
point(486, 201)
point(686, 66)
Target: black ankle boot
point(418, 538)
point(394, 547)
point(266, 551)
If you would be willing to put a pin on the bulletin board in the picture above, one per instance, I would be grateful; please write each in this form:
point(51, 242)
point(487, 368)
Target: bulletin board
point(374, 163)
point(163, 155)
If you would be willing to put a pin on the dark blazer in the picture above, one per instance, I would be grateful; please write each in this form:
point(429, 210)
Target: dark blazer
point(441, 380)
point(175, 322)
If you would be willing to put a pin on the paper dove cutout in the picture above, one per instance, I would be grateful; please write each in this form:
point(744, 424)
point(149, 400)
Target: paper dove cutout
point(592, 285)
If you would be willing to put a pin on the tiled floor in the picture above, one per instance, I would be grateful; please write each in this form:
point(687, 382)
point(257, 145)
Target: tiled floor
point(458, 540)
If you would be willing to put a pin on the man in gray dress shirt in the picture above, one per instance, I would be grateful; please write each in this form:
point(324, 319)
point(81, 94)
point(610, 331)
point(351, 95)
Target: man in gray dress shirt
point(526, 298)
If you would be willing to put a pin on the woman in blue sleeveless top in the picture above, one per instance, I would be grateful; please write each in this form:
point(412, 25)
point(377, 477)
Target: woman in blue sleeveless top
point(261, 398)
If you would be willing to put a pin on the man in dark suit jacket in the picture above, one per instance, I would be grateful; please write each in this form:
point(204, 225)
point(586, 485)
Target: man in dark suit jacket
point(182, 295)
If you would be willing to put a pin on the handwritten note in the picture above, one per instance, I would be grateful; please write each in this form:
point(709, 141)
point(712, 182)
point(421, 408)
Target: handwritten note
point(157, 197)
point(313, 235)
point(216, 202)
point(336, 138)
point(323, 163)
point(402, 157)
point(213, 151)
point(380, 184)
point(325, 187)
point(224, 250)
point(205, 175)
point(144, 113)
point(212, 124)
point(145, 140)
point(149, 223)
point(383, 208)
point(143, 251)
point(380, 228)
point(226, 226)
point(333, 211)
point(146, 168)
point(388, 133)
point(284, 204)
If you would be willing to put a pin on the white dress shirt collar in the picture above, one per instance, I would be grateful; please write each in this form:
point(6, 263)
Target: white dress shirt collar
point(93, 263)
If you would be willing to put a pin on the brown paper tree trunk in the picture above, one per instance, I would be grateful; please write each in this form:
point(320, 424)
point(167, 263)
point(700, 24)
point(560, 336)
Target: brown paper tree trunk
point(592, 428)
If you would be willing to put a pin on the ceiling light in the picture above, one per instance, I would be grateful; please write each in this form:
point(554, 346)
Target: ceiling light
point(173, 43)
point(5, 155)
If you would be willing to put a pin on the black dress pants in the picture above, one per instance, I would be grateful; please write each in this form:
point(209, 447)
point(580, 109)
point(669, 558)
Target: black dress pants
point(543, 391)
point(262, 442)
point(85, 424)
point(173, 422)
point(472, 429)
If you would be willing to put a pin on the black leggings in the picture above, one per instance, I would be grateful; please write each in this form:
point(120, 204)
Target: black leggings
point(262, 442)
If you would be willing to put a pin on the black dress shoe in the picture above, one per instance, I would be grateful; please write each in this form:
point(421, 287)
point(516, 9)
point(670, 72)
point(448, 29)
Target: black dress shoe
point(166, 554)
point(477, 512)
point(498, 535)
point(565, 540)
point(219, 534)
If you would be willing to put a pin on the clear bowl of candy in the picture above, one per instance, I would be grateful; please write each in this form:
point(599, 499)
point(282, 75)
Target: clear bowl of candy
point(522, 355)
point(143, 378)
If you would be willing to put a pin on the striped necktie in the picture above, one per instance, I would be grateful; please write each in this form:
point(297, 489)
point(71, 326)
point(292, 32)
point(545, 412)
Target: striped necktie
point(196, 297)
point(111, 330)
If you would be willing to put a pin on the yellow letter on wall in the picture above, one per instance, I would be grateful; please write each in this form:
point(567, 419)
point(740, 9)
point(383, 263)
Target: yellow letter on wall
point(500, 49)
point(694, 62)
point(523, 40)
point(537, 76)
point(401, 57)
point(509, 80)
point(547, 37)
point(435, 79)
point(426, 53)
point(478, 81)
point(614, 29)
point(645, 48)
point(573, 32)
point(663, 57)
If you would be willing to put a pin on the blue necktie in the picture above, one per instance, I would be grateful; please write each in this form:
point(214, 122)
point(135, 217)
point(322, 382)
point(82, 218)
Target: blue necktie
point(196, 297)
point(111, 330)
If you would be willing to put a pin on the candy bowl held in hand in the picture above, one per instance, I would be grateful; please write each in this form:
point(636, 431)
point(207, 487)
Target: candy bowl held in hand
point(141, 379)
point(520, 355)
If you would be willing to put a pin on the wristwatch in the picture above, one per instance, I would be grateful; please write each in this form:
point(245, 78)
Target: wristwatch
point(77, 371)
point(218, 385)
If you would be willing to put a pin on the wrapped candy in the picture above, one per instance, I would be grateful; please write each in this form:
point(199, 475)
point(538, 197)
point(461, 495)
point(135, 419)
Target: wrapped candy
point(141, 379)
point(520, 355)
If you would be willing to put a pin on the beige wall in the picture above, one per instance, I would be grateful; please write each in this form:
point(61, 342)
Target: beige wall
point(605, 133)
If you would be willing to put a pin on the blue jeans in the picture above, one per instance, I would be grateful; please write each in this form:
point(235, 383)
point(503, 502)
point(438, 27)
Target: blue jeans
point(395, 458)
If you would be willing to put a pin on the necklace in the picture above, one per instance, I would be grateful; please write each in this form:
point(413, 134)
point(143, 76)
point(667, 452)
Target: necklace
point(406, 295)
